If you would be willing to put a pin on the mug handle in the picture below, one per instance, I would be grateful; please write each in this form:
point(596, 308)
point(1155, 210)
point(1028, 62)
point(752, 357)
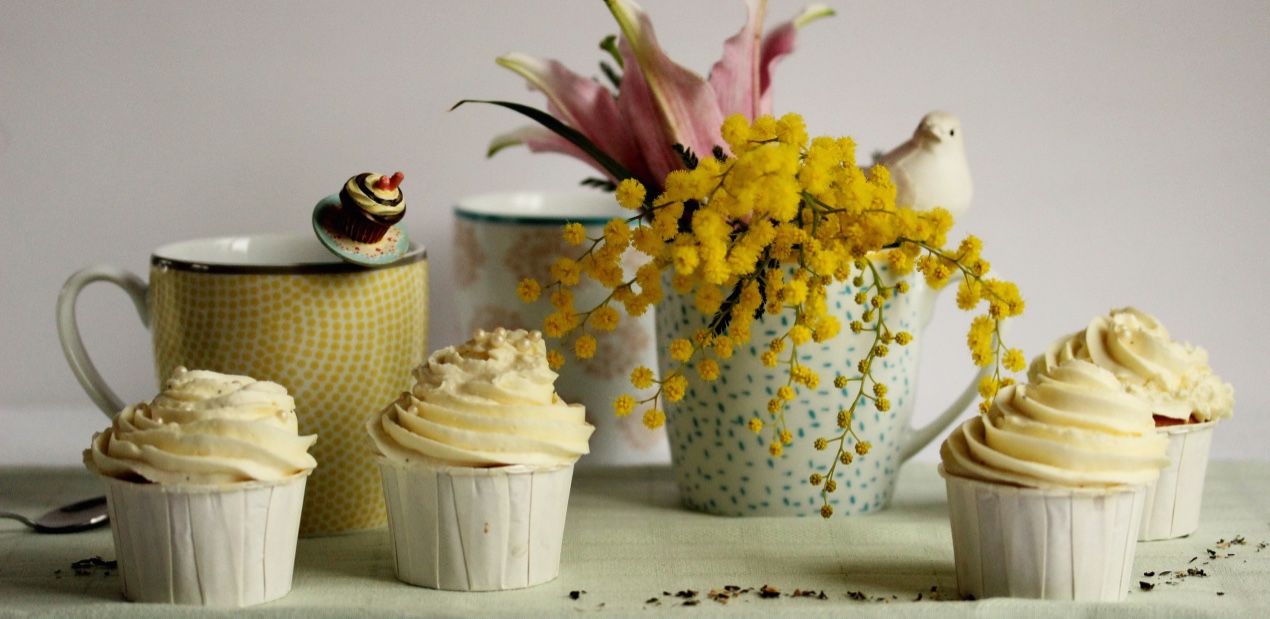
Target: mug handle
point(918, 438)
point(68, 328)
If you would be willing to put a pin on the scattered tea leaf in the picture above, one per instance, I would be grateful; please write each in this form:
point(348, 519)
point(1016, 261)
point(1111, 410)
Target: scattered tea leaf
point(1146, 586)
point(91, 562)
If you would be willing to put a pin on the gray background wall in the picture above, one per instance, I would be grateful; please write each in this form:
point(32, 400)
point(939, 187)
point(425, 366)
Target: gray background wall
point(1120, 153)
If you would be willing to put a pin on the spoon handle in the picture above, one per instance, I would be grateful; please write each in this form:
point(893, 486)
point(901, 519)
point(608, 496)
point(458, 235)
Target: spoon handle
point(18, 517)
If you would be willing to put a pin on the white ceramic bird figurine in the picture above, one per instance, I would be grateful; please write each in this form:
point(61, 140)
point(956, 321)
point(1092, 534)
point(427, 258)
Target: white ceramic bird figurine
point(930, 169)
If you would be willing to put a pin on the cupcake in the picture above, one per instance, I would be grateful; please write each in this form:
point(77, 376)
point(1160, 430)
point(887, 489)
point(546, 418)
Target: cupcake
point(205, 485)
point(1045, 491)
point(1187, 401)
point(370, 204)
point(477, 460)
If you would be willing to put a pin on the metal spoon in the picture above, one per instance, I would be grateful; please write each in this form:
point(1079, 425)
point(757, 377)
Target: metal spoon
point(81, 516)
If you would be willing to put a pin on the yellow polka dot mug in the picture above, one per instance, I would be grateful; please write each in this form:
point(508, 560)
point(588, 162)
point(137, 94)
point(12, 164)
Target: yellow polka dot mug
point(341, 338)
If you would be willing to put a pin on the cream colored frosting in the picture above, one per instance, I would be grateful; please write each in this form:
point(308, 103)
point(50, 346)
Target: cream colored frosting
point(372, 199)
point(1074, 426)
point(489, 402)
point(205, 428)
point(1175, 377)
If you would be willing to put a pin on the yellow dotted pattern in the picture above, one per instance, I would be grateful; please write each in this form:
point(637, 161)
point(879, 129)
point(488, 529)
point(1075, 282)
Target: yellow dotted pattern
point(342, 344)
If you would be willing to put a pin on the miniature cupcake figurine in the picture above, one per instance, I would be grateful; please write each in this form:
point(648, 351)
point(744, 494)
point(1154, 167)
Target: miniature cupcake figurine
point(371, 203)
point(362, 224)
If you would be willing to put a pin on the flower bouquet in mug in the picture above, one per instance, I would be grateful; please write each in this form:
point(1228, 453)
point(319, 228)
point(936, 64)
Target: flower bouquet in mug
point(756, 227)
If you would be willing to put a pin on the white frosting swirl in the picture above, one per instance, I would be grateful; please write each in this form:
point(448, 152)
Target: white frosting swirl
point(1075, 426)
point(205, 428)
point(489, 402)
point(1136, 348)
point(362, 190)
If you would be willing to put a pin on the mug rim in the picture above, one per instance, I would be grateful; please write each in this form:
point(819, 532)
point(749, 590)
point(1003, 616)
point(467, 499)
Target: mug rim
point(584, 207)
point(170, 256)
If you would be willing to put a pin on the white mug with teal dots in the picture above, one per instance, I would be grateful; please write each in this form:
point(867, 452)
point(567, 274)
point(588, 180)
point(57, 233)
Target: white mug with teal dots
point(723, 467)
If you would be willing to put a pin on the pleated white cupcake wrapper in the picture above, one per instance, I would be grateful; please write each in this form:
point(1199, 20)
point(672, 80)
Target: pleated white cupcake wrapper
point(1053, 544)
point(201, 545)
point(475, 529)
point(1173, 502)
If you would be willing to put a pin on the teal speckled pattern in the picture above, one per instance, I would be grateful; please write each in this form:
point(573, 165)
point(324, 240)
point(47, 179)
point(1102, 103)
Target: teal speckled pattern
point(724, 468)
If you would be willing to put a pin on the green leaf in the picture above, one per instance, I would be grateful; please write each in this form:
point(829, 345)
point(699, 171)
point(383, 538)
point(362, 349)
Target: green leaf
point(686, 155)
point(603, 184)
point(575, 137)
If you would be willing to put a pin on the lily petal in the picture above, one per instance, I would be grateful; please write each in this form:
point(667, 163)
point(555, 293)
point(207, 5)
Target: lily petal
point(780, 43)
point(735, 77)
point(583, 104)
point(679, 106)
point(520, 136)
point(539, 139)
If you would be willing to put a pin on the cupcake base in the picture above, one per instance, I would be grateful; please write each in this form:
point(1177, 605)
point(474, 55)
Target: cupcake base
point(1173, 502)
point(475, 529)
point(361, 229)
point(205, 545)
point(1053, 544)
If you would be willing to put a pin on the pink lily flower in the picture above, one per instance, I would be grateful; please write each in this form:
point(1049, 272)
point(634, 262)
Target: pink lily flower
point(658, 103)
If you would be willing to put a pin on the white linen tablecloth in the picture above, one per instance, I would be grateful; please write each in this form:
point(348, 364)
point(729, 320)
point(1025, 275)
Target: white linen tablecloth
point(629, 549)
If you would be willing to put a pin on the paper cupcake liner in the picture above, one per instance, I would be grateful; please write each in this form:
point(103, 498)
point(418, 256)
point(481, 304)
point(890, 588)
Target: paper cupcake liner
point(475, 529)
point(205, 545)
point(1059, 544)
point(1173, 501)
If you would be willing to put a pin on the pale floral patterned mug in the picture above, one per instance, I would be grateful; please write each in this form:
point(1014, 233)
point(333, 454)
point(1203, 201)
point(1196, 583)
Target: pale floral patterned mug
point(500, 239)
